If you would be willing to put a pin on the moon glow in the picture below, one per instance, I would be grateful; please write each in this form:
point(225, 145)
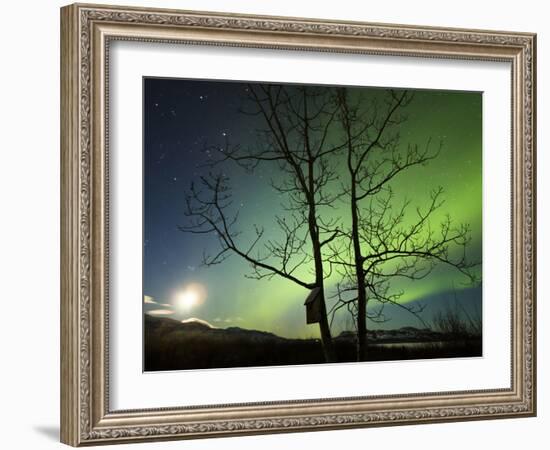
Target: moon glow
point(192, 295)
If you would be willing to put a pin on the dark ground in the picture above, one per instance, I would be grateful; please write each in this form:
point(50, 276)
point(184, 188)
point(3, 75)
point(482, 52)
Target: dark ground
point(172, 345)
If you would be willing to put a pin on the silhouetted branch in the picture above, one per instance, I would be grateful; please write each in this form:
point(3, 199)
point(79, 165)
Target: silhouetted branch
point(206, 210)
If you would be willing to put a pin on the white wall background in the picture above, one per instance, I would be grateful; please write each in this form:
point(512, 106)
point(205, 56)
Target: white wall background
point(29, 229)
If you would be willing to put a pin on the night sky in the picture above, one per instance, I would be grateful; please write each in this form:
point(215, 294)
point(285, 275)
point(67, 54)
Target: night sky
point(184, 117)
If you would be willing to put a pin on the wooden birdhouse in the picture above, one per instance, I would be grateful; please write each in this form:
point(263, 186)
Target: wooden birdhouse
point(313, 306)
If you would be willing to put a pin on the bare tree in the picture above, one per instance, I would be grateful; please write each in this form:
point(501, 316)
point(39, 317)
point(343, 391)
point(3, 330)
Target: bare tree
point(297, 136)
point(386, 241)
point(455, 320)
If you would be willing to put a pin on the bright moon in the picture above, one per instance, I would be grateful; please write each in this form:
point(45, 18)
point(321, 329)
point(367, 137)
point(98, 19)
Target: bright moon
point(188, 299)
point(193, 295)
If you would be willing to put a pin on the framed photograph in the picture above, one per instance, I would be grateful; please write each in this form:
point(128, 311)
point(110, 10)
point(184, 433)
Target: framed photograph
point(275, 224)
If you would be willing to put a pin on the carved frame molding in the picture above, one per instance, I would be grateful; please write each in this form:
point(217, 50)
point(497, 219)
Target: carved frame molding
point(86, 31)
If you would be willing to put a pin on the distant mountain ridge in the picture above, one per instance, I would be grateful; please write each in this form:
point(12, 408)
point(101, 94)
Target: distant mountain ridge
point(199, 326)
point(403, 334)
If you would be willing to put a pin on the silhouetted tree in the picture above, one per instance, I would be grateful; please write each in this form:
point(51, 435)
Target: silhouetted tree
point(386, 241)
point(298, 137)
point(455, 320)
point(330, 146)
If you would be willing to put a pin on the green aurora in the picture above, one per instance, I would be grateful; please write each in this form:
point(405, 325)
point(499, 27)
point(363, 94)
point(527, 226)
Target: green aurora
point(181, 115)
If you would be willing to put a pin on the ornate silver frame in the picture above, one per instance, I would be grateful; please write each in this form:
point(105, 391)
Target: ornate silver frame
point(86, 31)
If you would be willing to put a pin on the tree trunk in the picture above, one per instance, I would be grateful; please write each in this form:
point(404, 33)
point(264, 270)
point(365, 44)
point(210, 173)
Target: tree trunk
point(326, 337)
point(360, 275)
point(361, 326)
